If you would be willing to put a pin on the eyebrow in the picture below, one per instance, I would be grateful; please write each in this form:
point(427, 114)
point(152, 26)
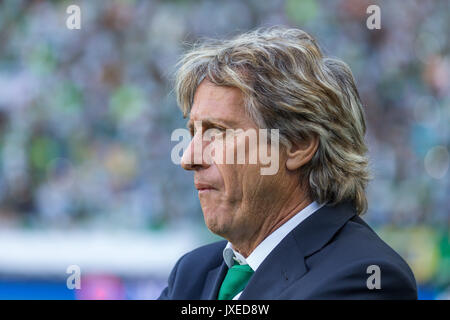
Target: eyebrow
point(212, 121)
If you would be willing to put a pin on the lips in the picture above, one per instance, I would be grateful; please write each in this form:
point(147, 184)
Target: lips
point(202, 186)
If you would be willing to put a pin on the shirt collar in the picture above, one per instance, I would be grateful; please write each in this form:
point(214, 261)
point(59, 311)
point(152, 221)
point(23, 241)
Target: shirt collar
point(230, 256)
point(258, 255)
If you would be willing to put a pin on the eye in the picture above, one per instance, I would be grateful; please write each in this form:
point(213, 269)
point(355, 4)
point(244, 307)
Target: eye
point(219, 128)
point(213, 132)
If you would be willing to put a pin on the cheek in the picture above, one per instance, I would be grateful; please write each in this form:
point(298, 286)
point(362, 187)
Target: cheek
point(232, 181)
point(252, 181)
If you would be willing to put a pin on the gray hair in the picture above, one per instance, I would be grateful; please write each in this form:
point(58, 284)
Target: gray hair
point(288, 84)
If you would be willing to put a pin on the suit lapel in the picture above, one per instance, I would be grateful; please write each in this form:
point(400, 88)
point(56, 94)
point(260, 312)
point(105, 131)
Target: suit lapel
point(315, 232)
point(286, 263)
point(213, 282)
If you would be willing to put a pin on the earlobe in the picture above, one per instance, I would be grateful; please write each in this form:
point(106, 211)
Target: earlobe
point(300, 153)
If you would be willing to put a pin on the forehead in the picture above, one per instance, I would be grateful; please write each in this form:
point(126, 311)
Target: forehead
point(221, 103)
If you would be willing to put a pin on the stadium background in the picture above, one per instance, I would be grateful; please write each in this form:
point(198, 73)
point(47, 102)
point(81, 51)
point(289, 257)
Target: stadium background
point(86, 116)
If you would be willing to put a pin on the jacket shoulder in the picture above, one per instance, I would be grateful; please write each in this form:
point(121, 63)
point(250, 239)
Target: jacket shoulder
point(349, 259)
point(366, 244)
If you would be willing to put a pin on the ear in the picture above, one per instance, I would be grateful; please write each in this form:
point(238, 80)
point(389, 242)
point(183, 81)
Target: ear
point(301, 152)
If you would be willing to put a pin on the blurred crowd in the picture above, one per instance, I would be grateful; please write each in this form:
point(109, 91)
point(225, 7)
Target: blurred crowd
point(86, 115)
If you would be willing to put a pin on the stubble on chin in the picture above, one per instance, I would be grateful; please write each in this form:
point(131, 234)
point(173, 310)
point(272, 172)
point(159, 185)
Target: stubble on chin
point(217, 221)
point(215, 226)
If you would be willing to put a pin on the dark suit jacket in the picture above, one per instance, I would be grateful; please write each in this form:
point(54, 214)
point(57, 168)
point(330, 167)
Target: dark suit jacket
point(324, 257)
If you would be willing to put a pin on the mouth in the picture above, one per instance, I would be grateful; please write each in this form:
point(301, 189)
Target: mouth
point(204, 188)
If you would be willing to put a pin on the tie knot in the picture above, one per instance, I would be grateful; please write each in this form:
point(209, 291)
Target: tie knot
point(235, 281)
point(242, 268)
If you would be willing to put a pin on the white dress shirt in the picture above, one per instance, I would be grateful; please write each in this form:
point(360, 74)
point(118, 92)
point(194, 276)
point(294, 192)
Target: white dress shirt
point(260, 253)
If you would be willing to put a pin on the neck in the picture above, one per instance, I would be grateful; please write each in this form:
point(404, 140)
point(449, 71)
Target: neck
point(272, 222)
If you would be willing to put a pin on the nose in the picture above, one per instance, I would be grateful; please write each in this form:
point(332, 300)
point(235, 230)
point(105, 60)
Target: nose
point(193, 158)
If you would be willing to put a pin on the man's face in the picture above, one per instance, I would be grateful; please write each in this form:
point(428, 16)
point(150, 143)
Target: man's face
point(235, 198)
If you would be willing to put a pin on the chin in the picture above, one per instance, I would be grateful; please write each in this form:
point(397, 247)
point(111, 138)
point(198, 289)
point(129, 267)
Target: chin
point(216, 224)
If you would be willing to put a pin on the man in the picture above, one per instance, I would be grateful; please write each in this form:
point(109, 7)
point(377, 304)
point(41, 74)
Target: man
point(296, 233)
